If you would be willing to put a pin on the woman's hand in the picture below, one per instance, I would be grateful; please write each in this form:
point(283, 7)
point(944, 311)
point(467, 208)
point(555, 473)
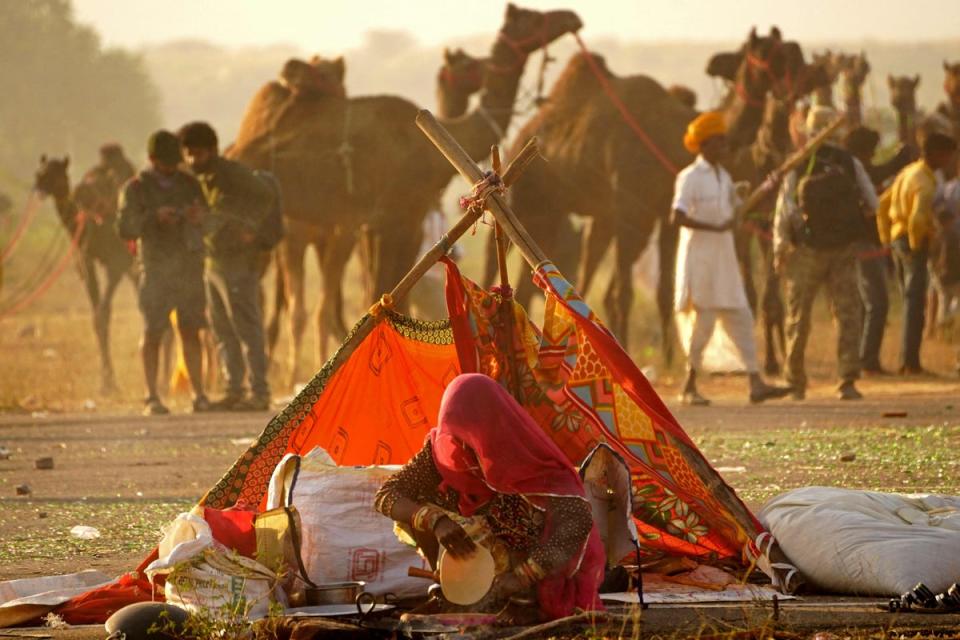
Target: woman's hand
point(454, 539)
point(506, 585)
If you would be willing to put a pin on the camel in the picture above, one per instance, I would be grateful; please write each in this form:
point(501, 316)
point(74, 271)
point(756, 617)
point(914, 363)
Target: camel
point(348, 162)
point(831, 63)
point(903, 99)
point(760, 140)
point(684, 94)
point(950, 108)
point(595, 165)
point(95, 201)
point(853, 73)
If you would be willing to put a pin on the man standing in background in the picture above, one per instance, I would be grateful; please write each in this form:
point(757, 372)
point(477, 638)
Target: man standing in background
point(709, 287)
point(818, 224)
point(906, 222)
point(163, 208)
point(239, 203)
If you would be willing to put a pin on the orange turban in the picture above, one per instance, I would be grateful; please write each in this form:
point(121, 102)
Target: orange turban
point(704, 126)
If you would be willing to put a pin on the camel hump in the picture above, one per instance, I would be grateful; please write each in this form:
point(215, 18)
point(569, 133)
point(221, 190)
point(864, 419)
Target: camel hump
point(579, 78)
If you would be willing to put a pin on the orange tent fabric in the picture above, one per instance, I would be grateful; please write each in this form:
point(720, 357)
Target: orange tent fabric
point(377, 409)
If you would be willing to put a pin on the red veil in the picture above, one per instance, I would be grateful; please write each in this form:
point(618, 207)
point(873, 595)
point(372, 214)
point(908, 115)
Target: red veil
point(485, 443)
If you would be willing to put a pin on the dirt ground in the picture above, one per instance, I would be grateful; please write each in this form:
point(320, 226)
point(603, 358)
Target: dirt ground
point(127, 475)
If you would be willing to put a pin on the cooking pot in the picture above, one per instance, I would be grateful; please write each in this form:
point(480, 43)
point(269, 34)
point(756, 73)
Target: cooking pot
point(334, 593)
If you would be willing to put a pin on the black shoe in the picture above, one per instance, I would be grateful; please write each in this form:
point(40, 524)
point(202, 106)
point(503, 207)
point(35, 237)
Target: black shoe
point(253, 403)
point(768, 392)
point(201, 404)
point(153, 407)
point(847, 391)
point(693, 399)
point(227, 403)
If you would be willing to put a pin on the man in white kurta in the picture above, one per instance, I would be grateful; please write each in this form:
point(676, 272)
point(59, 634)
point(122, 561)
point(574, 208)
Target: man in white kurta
point(709, 288)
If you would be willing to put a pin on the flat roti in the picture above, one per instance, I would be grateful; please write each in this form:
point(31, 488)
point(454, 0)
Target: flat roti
point(466, 581)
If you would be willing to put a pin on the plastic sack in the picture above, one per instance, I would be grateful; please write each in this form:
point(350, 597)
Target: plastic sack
point(343, 537)
point(202, 574)
point(866, 542)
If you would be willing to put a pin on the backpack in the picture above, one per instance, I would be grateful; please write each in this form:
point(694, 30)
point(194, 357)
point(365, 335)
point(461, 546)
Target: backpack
point(271, 229)
point(830, 200)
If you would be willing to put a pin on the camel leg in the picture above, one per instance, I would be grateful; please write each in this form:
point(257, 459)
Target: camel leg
point(628, 247)
point(667, 255)
point(490, 264)
point(333, 264)
point(774, 316)
point(88, 273)
point(102, 319)
point(279, 304)
point(396, 255)
point(742, 240)
point(596, 238)
point(292, 250)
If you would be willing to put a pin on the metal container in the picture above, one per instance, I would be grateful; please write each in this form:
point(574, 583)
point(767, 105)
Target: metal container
point(334, 593)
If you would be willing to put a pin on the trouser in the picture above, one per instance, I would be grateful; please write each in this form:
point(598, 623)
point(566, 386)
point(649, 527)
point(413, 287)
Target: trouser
point(235, 312)
point(806, 270)
point(912, 272)
point(872, 280)
point(737, 322)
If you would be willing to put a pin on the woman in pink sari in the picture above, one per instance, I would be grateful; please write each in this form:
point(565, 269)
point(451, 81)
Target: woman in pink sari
point(488, 458)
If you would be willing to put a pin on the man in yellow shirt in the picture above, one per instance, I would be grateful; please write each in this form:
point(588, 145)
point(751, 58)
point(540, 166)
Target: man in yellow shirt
point(905, 222)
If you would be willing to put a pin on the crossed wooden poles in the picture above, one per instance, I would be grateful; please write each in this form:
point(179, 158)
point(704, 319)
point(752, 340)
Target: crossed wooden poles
point(508, 228)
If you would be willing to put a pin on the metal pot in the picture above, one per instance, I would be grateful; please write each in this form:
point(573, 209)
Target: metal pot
point(334, 593)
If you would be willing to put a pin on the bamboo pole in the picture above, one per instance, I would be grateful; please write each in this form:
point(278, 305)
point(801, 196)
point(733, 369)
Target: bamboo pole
point(465, 165)
point(467, 168)
point(791, 163)
point(514, 170)
point(506, 296)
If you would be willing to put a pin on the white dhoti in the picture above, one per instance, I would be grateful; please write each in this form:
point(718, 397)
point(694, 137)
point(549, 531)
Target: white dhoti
point(708, 284)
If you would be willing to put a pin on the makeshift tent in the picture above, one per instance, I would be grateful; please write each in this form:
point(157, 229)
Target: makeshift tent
point(375, 400)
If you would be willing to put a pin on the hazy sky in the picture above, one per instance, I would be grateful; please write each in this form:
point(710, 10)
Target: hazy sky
point(329, 26)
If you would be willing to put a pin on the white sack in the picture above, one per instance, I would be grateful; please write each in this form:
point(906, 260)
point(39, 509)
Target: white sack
point(343, 537)
point(866, 542)
point(203, 574)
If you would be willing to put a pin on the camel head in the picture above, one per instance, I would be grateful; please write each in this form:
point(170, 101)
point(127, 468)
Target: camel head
point(951, 82)
point(460, 77)
point(903, 92)
point(830, 62)
point(317, 78)
point(51, 178)
point(854, 70)
point(683, 94)
point(526, 30)
point(763, 63)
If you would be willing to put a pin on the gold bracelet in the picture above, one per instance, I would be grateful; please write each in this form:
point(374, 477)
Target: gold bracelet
point(426, 518)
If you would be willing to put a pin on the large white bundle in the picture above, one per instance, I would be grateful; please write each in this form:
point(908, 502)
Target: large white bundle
point(865, 542)
point(343, 537)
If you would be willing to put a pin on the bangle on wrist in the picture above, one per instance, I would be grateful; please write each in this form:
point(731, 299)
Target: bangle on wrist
point(426, 518)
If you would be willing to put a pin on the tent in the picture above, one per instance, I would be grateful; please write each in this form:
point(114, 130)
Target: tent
point(375, 400)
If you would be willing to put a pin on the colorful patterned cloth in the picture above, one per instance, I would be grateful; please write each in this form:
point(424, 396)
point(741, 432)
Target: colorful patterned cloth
point(579, 385)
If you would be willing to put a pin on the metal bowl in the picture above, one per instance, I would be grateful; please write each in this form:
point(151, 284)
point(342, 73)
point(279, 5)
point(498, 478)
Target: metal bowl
point(334, 593)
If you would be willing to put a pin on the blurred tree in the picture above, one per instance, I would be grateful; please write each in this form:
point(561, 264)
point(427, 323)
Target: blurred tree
point(63, 92)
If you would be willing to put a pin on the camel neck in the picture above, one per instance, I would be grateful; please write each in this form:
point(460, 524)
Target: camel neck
point(744, 119)
point(906, 125)
point(451, 102)
point(486, 125)
point(66, 209)
point(854, 107)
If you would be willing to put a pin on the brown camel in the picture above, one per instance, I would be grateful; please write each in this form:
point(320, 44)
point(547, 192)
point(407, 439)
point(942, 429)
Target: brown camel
point(831, 64)
point(854, 70)
point(350, 162)
point(597, 167)
point(94, 201)
point(760, 140)
point(684, 94)
point(950, 108)
point(903, 99)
